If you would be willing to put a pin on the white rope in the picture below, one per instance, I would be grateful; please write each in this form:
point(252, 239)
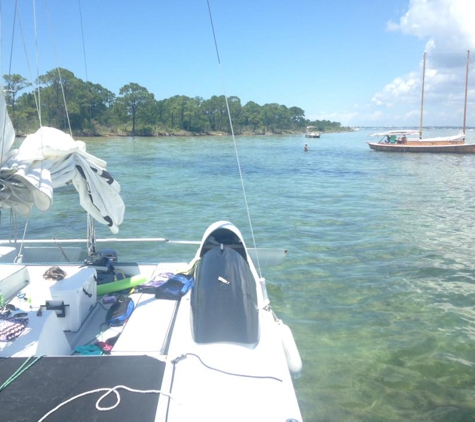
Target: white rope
point(107, 392)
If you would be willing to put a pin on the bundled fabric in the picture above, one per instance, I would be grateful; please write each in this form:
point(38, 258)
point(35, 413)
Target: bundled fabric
point(11, 328)
point(54, 273)
point(108, 345)
point(49, 159)
point(175, 287)
point(120, 311)
point(106, 272)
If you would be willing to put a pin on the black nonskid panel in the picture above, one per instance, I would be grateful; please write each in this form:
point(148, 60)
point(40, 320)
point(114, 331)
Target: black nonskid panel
point(53, 380)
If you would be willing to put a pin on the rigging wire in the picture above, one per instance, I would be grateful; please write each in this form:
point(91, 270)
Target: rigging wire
point(91, 223)
point(36, 92)
point(85, 64)
point(5, 114)
point(1, 65)
point(83, 42)
point(61, 84)
point(37, 89)
point(59, 70)
point(234, 139)
point(38, 101)
point(13, 217)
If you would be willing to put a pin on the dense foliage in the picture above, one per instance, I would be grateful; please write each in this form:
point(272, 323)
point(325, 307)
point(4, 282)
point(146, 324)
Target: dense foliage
point(94, 110)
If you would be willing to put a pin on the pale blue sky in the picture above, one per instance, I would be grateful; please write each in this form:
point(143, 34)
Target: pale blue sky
point(353, 61)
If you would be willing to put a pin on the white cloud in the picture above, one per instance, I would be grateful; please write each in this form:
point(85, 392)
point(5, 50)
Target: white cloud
point(448, 27)
point(448, 30)
point(400, 90)
point(447, 24)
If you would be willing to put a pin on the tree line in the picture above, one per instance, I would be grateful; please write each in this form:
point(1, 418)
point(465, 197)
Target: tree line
point(93, 110)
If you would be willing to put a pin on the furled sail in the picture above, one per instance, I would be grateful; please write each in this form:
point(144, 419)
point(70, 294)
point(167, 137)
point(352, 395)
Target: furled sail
point(51, 158)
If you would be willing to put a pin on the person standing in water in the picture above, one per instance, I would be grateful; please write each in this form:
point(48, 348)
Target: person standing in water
point(305, 148)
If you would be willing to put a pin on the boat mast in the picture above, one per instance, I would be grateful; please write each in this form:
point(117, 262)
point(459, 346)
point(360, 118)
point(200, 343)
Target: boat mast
point(422, 95)
point(466, 90)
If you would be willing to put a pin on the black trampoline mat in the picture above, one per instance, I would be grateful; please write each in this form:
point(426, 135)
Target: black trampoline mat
point(53, 380)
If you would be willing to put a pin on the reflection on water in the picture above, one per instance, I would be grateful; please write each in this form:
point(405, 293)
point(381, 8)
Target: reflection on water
point(378, 286)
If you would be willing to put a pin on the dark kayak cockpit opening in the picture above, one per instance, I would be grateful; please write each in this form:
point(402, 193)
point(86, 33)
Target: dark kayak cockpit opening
point(225, 237)
point(224, 298)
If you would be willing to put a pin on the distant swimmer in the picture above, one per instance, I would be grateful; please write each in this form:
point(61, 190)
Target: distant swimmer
point(305, 148)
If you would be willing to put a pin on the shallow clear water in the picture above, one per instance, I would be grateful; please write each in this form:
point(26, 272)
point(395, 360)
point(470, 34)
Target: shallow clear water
point(378, 286)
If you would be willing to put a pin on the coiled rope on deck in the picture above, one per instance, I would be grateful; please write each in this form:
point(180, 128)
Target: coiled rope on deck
point(107, 392)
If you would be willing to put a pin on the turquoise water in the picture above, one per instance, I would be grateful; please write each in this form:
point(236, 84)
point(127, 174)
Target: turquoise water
point(378, 286)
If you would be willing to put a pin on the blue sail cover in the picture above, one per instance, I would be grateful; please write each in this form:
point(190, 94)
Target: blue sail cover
point(224, 299)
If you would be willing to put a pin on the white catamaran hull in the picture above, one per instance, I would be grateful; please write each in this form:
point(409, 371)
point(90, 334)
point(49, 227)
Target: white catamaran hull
point(200, 375)
point(105, 340)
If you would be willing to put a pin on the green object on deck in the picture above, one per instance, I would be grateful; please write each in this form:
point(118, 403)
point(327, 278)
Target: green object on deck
point(115, 286)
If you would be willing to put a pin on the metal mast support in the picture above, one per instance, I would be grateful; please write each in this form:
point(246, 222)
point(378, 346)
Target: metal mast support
point(91, 236)
point(422, 95)
point(466, 93)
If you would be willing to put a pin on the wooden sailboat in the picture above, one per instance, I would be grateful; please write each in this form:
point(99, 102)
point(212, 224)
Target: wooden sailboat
point(397, 140)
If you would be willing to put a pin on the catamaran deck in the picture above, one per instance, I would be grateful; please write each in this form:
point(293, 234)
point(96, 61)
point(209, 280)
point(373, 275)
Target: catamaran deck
point(84, 319)
point(60, 358)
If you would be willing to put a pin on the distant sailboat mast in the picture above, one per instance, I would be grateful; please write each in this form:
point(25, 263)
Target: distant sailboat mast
point(422, 95)
point(466, 90)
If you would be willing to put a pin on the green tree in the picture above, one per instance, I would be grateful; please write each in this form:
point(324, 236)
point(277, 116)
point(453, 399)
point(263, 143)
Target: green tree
point(62, 98)
point(235, 109)
point(215, 110)
point(13, 84)
point(196, 119)
point(170, 112)
point(297, 118)
point(282, 118)
point(190, 117)
point(95, 104)
point(91, 105)
point(269, 112)
point(252, 115)
point(133, 98)
point(26, 114)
